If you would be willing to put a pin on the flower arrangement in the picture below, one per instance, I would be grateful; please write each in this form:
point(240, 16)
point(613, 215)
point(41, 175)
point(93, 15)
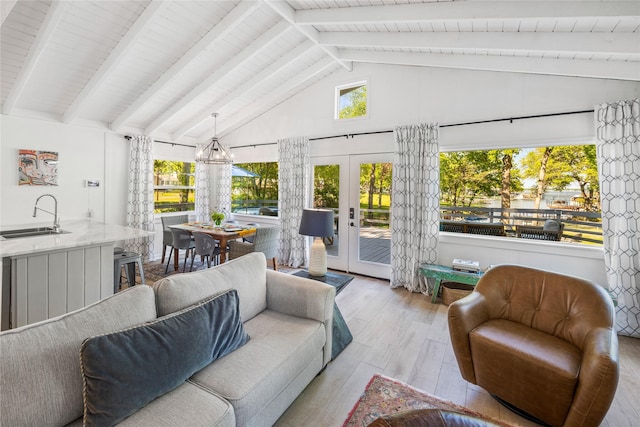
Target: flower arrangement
point(217, 217)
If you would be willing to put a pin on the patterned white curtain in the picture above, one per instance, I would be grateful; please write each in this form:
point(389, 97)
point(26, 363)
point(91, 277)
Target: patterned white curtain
point(140, 196)
point(293, 173)
point(415, 204)
point(222, 202)
point(618, 151)
point(203, 210)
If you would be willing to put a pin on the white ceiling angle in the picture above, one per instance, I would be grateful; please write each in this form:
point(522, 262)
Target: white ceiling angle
point(162, 67)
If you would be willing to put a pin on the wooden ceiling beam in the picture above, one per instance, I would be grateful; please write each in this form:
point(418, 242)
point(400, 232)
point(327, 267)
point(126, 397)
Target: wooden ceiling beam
point(49, 24)
point(616, 70)
point(248, 53)
point(269, 72)
point(577, 43)
point(261, 106)
point(5, 9)
point(289, 14)
point(123, 47)
point(227, 24)
point(465, 10)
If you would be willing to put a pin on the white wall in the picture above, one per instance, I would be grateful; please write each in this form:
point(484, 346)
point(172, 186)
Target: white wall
point(83, 152)
point(403, 95)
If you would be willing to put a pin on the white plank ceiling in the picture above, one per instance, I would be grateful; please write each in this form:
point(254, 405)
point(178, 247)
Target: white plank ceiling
point(163, 67)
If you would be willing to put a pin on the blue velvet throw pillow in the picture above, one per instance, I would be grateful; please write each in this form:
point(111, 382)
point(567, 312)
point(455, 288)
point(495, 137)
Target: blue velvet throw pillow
point(125, 370)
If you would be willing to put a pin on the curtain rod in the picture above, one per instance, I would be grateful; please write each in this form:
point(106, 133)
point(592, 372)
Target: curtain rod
point(505, 119)
point(128, 138)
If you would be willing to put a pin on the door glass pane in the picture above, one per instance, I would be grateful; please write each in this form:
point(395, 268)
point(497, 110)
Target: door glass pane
point(374, 241)
point(326, 195)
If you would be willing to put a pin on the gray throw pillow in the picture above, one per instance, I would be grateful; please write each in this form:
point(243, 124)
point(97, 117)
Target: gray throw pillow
point(125, 370)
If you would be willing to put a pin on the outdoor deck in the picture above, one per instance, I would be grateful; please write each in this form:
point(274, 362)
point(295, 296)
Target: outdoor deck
point(375, 245)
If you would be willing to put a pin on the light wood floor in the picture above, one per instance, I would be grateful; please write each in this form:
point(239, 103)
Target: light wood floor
point(402, 335)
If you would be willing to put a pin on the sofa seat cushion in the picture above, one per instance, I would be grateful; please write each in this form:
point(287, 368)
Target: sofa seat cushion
point(530, 369)
point(187, 405)
point(280, 348)
point(40, 363)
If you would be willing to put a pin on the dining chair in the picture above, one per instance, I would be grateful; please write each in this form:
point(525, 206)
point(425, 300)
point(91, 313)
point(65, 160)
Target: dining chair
point(207, 247)
point(167, 238)
point(250, 238)
point(265, 241)
point(181, 239)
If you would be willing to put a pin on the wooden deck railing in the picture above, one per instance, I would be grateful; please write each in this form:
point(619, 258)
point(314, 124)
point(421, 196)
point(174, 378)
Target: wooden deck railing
point(576, 226)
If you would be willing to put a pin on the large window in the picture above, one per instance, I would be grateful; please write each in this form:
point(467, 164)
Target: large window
point(351, 101)
point(254, 188)
point(174, 186)
point(544, 193)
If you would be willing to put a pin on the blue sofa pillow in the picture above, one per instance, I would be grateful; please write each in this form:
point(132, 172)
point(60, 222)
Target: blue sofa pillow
point(125, 370)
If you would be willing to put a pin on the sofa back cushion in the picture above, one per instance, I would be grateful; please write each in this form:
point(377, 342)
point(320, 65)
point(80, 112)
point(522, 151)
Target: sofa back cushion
point(247, 274)
point(40, 364)
point(564, 306)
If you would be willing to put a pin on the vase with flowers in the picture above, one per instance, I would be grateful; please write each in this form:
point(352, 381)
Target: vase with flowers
point(217, 218)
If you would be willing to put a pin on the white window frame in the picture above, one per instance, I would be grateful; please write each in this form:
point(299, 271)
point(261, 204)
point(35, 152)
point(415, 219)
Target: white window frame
point(354, 85)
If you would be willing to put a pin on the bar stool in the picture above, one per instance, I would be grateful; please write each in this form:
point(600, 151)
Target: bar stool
point(128, 260)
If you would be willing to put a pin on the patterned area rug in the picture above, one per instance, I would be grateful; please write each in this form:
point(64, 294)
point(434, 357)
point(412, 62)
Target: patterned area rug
point(384, 396)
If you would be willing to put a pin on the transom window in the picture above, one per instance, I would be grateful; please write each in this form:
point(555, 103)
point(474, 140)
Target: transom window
point(351, 100)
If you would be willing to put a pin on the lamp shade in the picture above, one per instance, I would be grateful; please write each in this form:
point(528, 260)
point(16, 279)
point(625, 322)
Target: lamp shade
point(317, 223)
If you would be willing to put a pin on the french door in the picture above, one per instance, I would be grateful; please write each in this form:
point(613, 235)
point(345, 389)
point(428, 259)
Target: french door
point(358, 189)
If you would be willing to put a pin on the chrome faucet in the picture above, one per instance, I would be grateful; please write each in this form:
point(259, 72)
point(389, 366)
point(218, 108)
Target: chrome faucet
point(56, 222)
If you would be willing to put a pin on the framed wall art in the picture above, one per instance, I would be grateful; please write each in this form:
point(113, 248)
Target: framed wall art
point(37, 167)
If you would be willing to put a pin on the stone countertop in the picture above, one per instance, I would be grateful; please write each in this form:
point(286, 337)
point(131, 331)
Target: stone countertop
point(80, 233)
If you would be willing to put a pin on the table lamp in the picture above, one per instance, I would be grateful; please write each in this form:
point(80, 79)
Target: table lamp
point(317, 223)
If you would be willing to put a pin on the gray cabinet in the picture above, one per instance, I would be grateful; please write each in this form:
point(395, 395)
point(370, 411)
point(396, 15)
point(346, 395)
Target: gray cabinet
point(48, 284)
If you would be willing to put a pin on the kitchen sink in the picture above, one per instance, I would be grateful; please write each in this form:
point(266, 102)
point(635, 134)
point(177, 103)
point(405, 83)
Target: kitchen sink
point(30, 232)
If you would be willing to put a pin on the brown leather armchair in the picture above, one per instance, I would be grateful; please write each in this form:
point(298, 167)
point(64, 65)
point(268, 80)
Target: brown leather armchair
point(540, 341)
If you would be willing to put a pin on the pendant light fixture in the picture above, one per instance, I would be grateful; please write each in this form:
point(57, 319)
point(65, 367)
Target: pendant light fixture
point(214, 153)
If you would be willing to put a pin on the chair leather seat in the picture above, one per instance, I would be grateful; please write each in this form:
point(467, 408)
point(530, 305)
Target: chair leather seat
point(544, 343)
point(528, 368)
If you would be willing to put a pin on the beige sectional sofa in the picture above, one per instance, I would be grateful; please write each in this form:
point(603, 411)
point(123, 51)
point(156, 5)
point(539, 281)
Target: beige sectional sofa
point(288, 320)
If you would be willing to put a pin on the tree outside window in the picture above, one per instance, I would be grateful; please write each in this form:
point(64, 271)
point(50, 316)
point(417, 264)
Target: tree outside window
point(351, 100)
point(174, 186)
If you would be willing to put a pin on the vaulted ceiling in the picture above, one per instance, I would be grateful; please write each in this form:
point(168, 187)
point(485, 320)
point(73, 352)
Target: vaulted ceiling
point(165, 67)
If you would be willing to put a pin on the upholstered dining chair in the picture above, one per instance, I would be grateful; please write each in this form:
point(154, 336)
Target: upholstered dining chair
point(207, 247)
point(250, 238)
point(181, 240)
point(167, 237)
point(265, 240)
point(540, 342)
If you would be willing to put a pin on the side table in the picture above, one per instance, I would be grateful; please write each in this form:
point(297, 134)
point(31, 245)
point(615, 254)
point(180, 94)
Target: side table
point(341, 333)
point(440, 272)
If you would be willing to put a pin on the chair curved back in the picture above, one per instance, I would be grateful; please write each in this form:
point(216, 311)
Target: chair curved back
point(167, 237)
point(181, 238)
point(250, 238)
point(266, 241)
point(566, 307)
point(205, 244)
